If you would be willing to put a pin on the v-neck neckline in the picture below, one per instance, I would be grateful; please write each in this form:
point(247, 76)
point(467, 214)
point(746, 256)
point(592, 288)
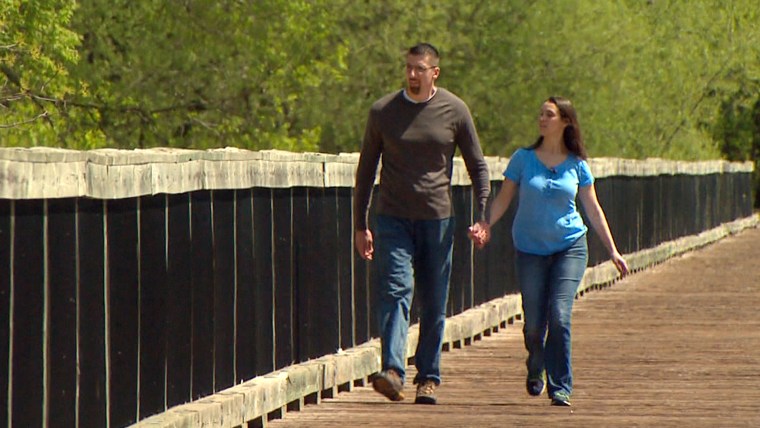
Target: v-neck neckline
point(553, 167)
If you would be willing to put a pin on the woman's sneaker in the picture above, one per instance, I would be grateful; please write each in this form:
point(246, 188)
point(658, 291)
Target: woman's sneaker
point(561, 399)
point(536, 385)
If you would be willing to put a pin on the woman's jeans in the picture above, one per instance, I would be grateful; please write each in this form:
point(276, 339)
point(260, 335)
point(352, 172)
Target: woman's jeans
point(548, 285)
point(413, 256)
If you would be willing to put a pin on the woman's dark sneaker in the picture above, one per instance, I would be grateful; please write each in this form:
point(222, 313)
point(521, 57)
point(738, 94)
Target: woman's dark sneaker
point(536, 385)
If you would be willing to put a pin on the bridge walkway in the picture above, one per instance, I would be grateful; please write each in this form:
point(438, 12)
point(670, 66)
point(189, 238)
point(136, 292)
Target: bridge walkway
point(674, 345)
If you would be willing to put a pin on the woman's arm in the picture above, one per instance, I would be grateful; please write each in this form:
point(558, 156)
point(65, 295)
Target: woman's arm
point(502, 201)
point(480, 232)
point(598, 221)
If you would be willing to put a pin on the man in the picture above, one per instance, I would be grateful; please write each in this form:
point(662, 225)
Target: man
point(416, 131)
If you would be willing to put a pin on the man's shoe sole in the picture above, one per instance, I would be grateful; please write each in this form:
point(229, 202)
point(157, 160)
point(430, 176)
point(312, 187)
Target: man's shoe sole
point(382, 385)
point(559, 402)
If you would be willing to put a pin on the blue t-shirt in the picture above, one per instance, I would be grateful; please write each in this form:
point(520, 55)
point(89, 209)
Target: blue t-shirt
point(547, 220)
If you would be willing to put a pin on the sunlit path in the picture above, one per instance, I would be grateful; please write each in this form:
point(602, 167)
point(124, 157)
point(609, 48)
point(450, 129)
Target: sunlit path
point(675, 345)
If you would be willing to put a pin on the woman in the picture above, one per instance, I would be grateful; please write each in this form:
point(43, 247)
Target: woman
point(550, 241)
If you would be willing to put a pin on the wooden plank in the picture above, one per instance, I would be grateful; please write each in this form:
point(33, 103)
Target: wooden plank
point(123, 309)
point(5, 303)
point(178, 323)
point(263, 328)
point(245, 343)
point(27, 364)
point(62, 358)
point(301, 231)
point(92, 349)
point(153, 304)
point(321, 282)
point(202, 292)
point(224, 288)
point(284, 293)
point(343, 256)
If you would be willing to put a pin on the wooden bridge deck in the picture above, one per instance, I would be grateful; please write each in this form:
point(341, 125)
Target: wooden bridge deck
point(675, 345)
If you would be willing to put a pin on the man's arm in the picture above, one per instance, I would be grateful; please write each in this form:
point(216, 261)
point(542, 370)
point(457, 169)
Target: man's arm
point(477, 168)
point(366, 172)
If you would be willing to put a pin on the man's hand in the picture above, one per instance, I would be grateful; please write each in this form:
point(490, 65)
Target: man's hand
point(364, 243)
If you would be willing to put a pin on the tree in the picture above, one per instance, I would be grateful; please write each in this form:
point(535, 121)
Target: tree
point(649, 78)
point(36, 51)
point(205, 73)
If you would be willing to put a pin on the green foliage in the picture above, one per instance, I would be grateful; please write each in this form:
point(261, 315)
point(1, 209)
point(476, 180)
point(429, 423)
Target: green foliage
point(640, 73)
point(650, 78)
point(205, 73)
point(36, 50)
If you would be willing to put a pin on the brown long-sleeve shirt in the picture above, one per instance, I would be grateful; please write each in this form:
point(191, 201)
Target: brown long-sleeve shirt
point(417, 142)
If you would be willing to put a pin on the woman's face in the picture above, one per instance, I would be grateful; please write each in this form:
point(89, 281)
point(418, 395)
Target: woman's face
point(550, 122)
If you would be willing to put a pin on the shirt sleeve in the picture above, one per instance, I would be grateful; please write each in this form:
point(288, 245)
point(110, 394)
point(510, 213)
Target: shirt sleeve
point(366, 171)
point(585, 177)
point(477, 168)
point(515, 166)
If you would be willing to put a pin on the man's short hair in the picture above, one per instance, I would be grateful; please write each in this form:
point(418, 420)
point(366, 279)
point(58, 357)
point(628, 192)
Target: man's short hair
point(424, 49)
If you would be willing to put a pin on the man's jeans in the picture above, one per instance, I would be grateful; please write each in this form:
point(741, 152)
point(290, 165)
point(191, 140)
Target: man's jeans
point(413, 256)
point(548, 285)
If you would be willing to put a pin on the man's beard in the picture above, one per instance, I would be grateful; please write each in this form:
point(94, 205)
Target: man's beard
point(415, 89)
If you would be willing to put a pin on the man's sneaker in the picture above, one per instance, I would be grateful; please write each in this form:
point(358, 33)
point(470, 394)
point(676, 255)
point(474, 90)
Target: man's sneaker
point(389, 384)
point(425, 392)
point(536, 385)
point(561, 399)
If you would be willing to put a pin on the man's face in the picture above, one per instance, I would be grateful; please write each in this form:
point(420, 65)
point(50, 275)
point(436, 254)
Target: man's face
point(421, 74)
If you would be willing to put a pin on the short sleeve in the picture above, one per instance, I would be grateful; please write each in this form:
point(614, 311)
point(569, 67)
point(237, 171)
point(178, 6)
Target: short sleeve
point(516, 165)
point(585, 177)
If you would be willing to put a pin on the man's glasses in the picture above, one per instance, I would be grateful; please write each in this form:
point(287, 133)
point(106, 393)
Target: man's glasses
point(419, 69)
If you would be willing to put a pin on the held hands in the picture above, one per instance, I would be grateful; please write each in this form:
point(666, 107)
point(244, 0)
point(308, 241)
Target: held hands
point(479, 233)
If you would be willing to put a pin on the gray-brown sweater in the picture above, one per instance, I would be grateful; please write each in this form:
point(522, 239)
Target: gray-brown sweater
point(417, 144)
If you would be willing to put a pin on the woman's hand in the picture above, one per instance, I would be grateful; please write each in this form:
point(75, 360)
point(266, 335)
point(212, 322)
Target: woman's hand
point(619, 263)
point(479, 233)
